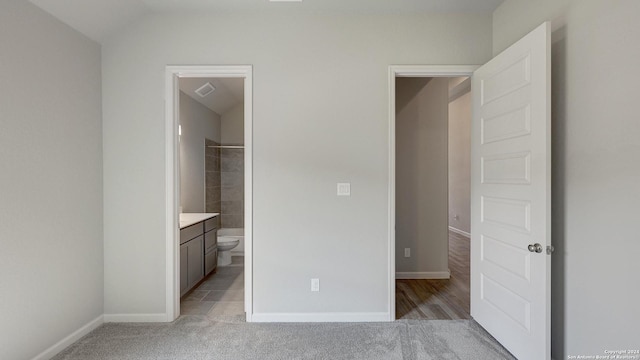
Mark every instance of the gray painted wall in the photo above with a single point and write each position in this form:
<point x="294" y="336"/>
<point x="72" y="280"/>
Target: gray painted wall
<point x="320" y="117"/>
<point x="421" y="174"/>
<point x="460" y="162"/>
<point x="51" y="262"/>
<point x="198" y="123"/>
<point x="595" y="167"/>
<point x="233" y="126"/>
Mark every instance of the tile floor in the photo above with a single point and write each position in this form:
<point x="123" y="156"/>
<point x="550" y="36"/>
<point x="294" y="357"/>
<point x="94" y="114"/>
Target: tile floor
<point x="220" y="296"/>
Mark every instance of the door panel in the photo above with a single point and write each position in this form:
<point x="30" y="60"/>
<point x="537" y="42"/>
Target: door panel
<point x="510" y="196"/>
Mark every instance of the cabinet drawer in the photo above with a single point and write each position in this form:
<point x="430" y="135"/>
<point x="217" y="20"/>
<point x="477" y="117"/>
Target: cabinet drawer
<point x="211" y="224"/>
<point x="190" y="232"/>
<point x="210" y="241"/>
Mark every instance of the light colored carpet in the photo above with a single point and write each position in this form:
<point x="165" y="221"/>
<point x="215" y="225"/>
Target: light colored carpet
<point x="200" y="337"/>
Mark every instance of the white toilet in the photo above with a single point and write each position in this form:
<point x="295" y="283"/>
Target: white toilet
<point x="225" y="244"/>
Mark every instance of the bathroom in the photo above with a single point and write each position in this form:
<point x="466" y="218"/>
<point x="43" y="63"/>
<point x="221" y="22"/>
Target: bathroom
<point x="212" y="170"/>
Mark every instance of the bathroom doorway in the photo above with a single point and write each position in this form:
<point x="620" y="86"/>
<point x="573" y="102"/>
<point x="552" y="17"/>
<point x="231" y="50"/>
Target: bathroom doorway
<point x="209" y="126"/>
<point x="432" y="206"/>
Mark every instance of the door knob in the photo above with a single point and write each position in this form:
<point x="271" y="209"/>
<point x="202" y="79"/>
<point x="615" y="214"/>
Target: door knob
<point x="537" y="248"/>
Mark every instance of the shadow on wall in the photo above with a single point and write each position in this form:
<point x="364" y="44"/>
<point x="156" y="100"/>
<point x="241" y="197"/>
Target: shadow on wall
<point x="558" y="179"/>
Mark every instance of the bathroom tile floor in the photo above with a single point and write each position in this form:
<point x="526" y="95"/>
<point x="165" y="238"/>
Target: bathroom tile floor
<point x="220" y="296"/>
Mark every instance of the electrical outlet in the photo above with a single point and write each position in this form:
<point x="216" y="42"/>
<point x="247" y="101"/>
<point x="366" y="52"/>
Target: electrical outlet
<point x="456" y="217"/>
<point x="344" y="189"/>
<point x="407" y="252"/>
<point x="315" y="284"/>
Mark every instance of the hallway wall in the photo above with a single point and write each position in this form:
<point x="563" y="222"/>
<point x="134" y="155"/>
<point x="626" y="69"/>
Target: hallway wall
<point x="422" y="113"/>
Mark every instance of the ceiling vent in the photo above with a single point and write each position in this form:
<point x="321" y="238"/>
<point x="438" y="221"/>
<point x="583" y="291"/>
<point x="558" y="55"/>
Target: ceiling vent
<point x="205" y="90"/>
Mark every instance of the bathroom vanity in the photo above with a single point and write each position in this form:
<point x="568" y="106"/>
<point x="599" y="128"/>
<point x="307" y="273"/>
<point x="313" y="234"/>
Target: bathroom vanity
<point x="198" y="248"/>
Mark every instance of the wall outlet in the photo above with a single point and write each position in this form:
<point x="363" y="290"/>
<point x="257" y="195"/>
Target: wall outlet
<point x="407" y="252"/>
<point x="456" y="217"/>
<point x="344" y="189"/>
<point x="315" y="284"/>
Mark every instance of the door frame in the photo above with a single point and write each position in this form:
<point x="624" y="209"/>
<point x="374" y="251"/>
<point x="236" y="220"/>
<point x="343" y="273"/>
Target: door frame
<point x="396" y="71"/>
<point x="172" y="179"/>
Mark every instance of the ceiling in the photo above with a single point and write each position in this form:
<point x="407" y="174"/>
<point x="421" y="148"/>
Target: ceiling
<point x="97" y="19"/>
<point x="229" y="92"/>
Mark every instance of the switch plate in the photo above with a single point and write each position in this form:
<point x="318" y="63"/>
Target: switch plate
<point x="344" y="189"/>
<point x="407" y="252"/>
<point x="315" y="284"/>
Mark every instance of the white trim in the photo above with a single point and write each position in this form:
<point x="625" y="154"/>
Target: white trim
<point x="320" y="317"/>
<point x="406" y="71"/>
<point x="173" y="73"/>
<point x="127" y="318"/>
<point x="424" y="275"/>
<point x="458" y="231"/>
<point x="56" y="348"/>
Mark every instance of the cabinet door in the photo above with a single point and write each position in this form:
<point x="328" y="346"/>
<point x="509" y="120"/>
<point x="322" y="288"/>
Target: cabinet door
<point x="210" y="261"/>
<point x="184" y="282"/>
<point x="195" y="260"/>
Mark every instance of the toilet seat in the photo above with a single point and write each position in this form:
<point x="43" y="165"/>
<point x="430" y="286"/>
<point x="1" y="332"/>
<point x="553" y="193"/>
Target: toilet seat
<point x="227" y="239"/>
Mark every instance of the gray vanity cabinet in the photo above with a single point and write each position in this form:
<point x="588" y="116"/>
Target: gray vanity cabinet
<point x="198" y="253"/>
<point x="195" y="261"/>
<point x="210" y="245"/>
<point x="191" y="256"/>
<point x="184" y="278"/>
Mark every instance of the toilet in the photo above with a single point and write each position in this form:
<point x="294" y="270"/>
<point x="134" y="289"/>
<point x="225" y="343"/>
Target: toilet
<point x="225" y="244"/>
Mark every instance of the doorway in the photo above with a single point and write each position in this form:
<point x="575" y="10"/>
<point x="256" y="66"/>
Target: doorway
<point x="416" y="72"/>
<point x="202" y="189"/>
<point x="433" y="119"/>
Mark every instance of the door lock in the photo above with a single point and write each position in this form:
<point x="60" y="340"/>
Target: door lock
<point x="537" y="248"/>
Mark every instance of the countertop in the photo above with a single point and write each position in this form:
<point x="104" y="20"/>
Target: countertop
<point x="188" y="219"/>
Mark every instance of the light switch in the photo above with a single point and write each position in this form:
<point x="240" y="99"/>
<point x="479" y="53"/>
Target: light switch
<point x="344" y="189"/>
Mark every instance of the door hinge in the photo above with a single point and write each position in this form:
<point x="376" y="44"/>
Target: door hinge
<point x="550" y="249"/>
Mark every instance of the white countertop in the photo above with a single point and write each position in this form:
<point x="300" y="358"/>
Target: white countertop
<point x="188" y="219"/>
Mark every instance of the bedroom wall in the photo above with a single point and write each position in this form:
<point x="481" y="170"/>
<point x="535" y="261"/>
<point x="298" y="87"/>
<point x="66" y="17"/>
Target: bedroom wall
<point x="595" y="167"/>
<point x="320" y="117"/>
<point x="51" y="262"/>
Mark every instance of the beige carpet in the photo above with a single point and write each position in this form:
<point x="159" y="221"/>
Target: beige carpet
<point x="199" y="337"/>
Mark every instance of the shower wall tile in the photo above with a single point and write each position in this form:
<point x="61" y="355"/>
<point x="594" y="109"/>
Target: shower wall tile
<point x="233" y="193"/>
<point x="212" y="177"/>
<point x="232" y="207"/>
<point x="232" y="187"/>
<point x="232" y="221"/>
<point x="231" y="179"/>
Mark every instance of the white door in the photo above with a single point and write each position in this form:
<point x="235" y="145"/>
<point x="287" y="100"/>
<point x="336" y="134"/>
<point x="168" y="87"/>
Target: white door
<point x="511" y="196"/>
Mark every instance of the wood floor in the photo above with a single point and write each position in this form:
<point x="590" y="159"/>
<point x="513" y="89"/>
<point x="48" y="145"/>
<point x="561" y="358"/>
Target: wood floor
<point x="439" y="299"/>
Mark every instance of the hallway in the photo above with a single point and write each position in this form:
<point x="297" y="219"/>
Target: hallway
<point x="446" y="299"/>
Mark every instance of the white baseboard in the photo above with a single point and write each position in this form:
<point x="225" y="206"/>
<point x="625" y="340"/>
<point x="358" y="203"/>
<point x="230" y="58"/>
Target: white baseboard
<point x="424" y="275"/>
<point x="320" y="317"/>
<point x="70" y="339"/>
<point x="458" y="231"/>
<point x="108" y="318"/>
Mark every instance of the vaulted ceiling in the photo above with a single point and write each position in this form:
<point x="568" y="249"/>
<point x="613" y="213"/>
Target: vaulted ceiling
<point x="97" y="19"/>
